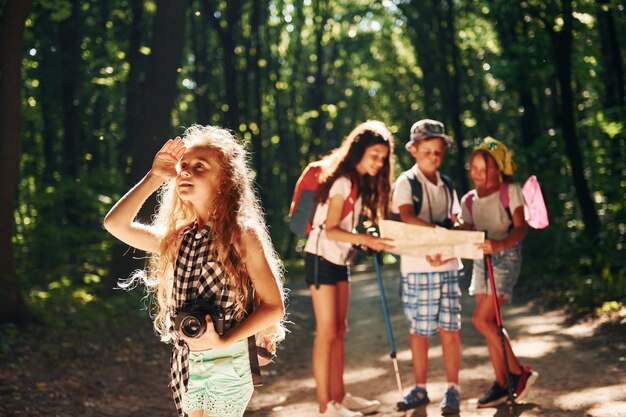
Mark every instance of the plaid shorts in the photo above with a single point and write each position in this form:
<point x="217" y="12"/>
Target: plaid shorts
<point x="432" y="301"/>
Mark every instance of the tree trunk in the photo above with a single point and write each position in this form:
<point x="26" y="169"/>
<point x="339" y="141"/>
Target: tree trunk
<point x="453" y="104"/>
<point x="612" y="77"/>
<point x="133" y="86"/>
<point x="230" y="70"/>
<point x="422" y="20"/>
<point x="611" y="57"/>
<point x="12" y="306"/>
<point x="512" y="35"/>
<point x="159" y="91"/>
<point x="150" y="125"/>
<point x="199" y="45"/>
<point x="562" y="43"/>
<point x="70" y="62"/>
<point x="318" y="96"/>
<point x="254" y="110"/>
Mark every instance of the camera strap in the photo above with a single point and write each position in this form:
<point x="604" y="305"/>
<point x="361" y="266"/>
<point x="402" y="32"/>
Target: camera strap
<point x="255" y="369"/>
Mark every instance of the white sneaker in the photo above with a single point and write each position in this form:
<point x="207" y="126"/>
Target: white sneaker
<point x="337" y="410"/>
<point x="354" y="403"/>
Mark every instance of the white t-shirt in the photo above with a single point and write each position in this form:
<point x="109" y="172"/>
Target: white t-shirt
<point x="436" y="201"/>
<point x="318" y="242"/>
<point x="489" y="215"/>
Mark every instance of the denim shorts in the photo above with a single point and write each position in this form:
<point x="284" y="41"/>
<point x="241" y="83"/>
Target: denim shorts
<point x="220" y="381"/>
<point x="432" y="301"/>
<point x="328" y="272"/>
<point x="506" y="266"/>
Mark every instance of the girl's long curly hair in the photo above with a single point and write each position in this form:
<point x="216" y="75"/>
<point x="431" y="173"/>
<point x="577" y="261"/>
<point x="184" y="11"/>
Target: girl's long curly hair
<point x="342" y="161"/>
<point x="236" y="210"/>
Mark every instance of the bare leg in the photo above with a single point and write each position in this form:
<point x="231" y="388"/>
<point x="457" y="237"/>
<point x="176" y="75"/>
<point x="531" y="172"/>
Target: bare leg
<point x="485" y="322"/>
<point x="337" y="388"/>
<point x="325" y="310"/>
<point x="451" y="347"/>
<point x="419" y="352"/>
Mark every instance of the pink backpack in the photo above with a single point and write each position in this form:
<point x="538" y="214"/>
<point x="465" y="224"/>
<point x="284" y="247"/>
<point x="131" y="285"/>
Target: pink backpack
<point x="535" y="210"/>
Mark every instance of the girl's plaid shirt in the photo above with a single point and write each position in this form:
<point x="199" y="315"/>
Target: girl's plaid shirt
<point x="196" y="275"/>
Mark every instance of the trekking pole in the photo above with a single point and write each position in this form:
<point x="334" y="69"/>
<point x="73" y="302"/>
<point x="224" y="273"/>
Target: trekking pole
<point x="392" y="344"/>
<point x="496" y="306"/>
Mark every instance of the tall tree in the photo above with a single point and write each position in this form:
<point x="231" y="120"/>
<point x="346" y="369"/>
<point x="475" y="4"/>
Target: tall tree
<point x="12" y="306"/>
<point x="512" y="34"/>
<point x="612" y="74"/>
<point x="69" y="34"/>
<point x="152" y="121"/>
<point x="611" y="56"/>
<point x="159" y="89"/>
<point x="562" y="46"/>
<point x="228" y="27"/>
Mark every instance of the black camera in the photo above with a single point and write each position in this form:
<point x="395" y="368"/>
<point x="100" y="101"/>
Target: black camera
<point x="190" y="318"/>
<point x="446" y="224"/>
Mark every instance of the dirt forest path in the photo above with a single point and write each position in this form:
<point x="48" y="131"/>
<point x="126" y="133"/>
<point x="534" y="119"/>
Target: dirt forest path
<point x="579" y="375"/>
<point x="121" y="369"/>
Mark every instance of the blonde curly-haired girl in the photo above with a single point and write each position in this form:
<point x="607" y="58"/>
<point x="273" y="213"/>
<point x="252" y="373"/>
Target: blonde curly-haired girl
<point x="208" y="242"/>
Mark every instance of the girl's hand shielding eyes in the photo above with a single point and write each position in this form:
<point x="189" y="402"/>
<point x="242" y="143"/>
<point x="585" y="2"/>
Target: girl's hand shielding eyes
<point x="164" y="164"/>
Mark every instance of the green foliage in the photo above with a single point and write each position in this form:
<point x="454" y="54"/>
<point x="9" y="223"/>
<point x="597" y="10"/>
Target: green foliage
<point x="301" y="75"/>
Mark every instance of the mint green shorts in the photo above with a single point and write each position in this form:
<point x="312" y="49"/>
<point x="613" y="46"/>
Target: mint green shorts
<point x="220" y="381"/>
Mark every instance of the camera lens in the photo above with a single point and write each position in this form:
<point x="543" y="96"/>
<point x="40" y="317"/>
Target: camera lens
<point x="192" y="327"/>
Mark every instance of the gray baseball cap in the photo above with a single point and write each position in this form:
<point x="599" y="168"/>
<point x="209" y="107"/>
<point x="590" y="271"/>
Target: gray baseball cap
<point x="428" y="128"/>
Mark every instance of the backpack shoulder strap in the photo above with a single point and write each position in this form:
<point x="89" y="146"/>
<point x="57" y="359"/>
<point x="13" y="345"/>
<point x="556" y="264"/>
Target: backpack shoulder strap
<point x="350" y="202"/>
<point x="469" y="200"/>
<point x="505" y="200"/>
<point x="417" y="190"/>
<point x="447" y="181"/>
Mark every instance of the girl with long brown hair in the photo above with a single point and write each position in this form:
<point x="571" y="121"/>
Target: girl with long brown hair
<point x="364" y="158"/>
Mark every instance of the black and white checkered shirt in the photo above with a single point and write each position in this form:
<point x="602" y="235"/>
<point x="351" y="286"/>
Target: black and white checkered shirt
<point x="196" y="275"/>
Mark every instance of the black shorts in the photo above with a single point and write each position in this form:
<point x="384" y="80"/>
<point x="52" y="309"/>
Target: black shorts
<point x="328" y="272"/>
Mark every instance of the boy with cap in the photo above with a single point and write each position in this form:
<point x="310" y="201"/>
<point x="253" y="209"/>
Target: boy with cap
<point x="430" y="287"/>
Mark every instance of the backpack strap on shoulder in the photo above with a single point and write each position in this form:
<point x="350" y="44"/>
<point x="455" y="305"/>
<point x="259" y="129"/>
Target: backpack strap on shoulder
<point x="417" y="190"/>
<point x="469" y="200"/>
<point x="350" y="202"/>
<point x="450" y="186"/>
<point x="505" y="200"/>
<point x="255" y="369"/>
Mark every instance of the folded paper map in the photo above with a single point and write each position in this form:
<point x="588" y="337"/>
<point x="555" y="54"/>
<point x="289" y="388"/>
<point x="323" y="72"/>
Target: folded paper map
<point x="413" y="240"/>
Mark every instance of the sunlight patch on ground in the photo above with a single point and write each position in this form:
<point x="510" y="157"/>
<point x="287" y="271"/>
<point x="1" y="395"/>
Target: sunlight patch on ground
<point x="474" y="351"/>
<point x="611" y="409"/>
<point x="362" y="374"/>
<point x="607" y="398"/>
<point x="401" y="355"/>
<point x="581" y="329"/>
<point x="532" y="327"/>
<point x="539" y="346"/>
<point x="482" y="371"/>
